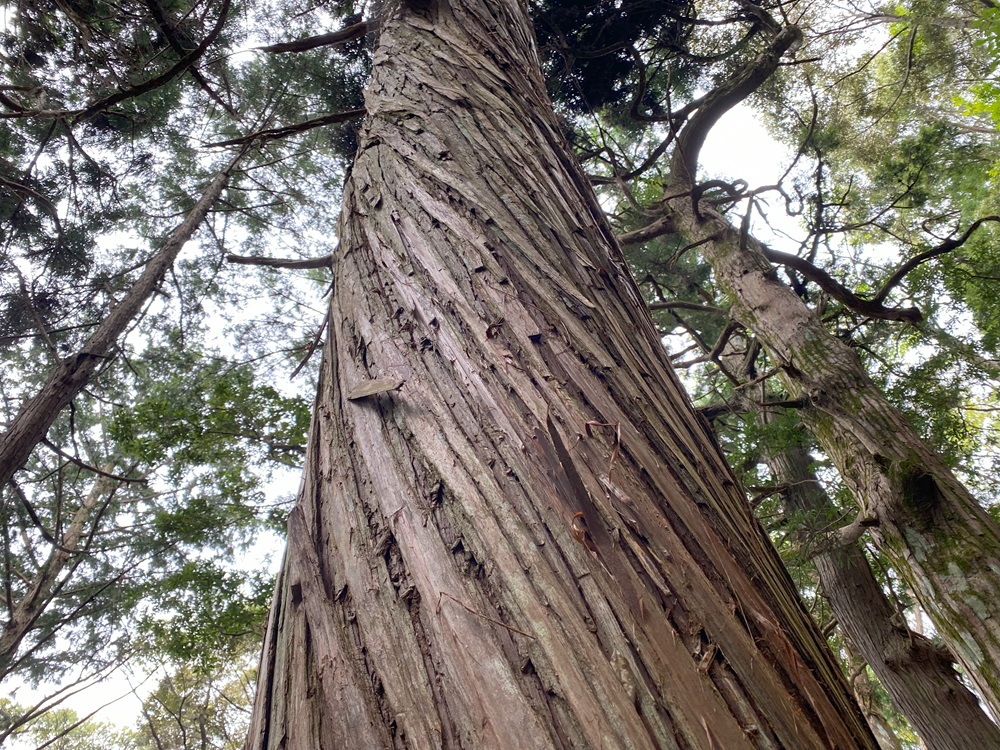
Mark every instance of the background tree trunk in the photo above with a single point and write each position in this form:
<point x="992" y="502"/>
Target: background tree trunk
<point x="71" y="375"/>
<point x="917" y="673"/>
<point x="513" y="531"/>
<point x="937" y="537"/>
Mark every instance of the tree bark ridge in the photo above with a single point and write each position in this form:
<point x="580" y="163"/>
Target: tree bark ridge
<point x="434" y="594"/>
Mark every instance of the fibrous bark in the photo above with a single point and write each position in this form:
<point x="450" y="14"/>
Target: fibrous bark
<point x="512" y="530"/>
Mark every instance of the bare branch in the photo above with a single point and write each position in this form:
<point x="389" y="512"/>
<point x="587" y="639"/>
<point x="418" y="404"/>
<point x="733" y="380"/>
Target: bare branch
<point x="343" y="36"/>
<point x="684" y="163"/>
<point x="871" y="308"/>
<point x="273" y="134"/>
<point x="249" y="260"/>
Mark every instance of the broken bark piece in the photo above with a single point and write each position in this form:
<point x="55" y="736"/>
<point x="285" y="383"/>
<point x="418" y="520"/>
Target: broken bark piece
<point x="374" y="387"/>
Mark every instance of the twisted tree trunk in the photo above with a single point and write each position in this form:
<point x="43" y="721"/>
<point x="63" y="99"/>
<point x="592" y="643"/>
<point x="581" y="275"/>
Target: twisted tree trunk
<point x="513" y="532"/>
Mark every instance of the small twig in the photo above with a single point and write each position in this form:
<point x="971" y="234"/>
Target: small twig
<point x="470" y="610"/>
<point x="312" y="346"/>
<point x="46" y="535"/>
<point x="84" y="465"/>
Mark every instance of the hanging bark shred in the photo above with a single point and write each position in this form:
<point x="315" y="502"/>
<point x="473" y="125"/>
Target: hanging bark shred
<point x="374" y="387"/>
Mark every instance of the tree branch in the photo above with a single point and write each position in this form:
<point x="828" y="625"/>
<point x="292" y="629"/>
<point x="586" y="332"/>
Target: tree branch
<point x="945" y="247"/>
<point x="343" y="36"/>
<point x="682" y="305"/>
<point x="249" y="260"/>
<point x="871" y="308"/>
<point x="41" y="200"/>
<point x="663" y="225"/>
<point x="273" y="134"/>
<point x="171" y="35"/>
<point x="684" y="163"/>
<point x="157" y="81"/>
<point x="71" y="375"/>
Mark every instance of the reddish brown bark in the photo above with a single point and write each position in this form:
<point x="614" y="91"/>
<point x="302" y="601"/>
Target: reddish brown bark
<point x="433" y="594"/>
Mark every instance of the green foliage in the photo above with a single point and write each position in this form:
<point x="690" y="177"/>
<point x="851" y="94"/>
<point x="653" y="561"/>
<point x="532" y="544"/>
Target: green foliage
<point x="983" y="97"/>
<point x="197" y="708"/>
<point x="207" y="412"/>
<point x="202" y="613"/>
<point x="63" y="729"/>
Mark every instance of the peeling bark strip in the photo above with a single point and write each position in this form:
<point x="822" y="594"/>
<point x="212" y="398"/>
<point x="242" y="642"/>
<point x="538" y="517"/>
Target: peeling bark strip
<point x="433" y="594"/>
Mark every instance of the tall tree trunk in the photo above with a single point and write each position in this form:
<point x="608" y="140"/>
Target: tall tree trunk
<point x="917" y="673"/>
<point x="513" y="532"/>
<point x="72" y="374"/>
<point x="938" y="538"/>
<point x="935" y="534"/>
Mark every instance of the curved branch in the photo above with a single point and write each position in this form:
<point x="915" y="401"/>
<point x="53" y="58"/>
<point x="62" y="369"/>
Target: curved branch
<point x="945" y="247"/>
<point x="871" y="308"/>
<point x="684" y="163"/>
<point x="648" y="162"/>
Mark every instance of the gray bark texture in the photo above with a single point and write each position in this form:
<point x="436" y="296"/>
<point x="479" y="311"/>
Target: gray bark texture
<point x="513" y="531"/>
<point x="917" y="673"/>
<point x="934" y="532"/>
